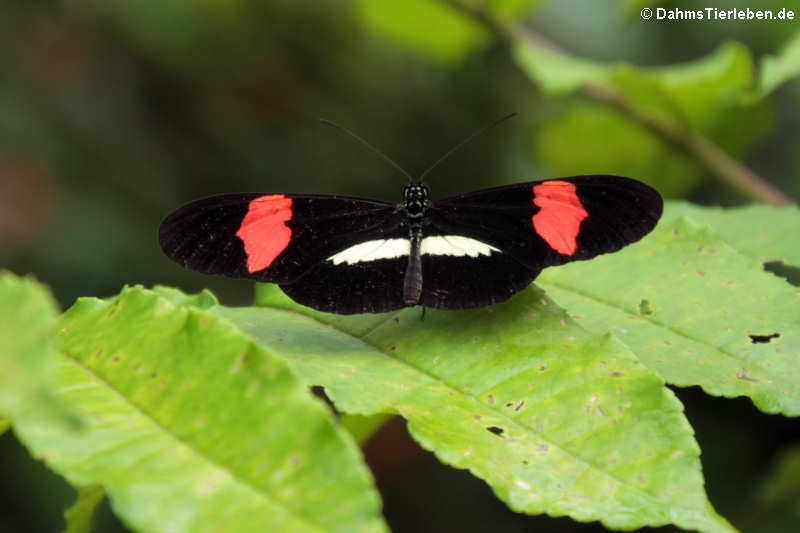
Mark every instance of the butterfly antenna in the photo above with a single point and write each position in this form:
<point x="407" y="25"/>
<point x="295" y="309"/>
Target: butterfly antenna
<point x="468" y="139"/>
<point x="368" y="145"/>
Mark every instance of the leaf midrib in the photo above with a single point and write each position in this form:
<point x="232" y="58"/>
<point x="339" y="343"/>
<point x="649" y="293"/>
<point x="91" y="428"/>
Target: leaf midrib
<point x="199" y="453"/>
<point x="511" y="421"/>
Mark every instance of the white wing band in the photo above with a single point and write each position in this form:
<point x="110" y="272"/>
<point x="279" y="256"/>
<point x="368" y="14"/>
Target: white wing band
<point x="452" y="245"/>
<point x="455" y="245"/>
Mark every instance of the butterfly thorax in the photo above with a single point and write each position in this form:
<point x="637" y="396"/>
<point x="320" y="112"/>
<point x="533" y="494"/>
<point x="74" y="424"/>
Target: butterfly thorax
<point x="415" y="195"/>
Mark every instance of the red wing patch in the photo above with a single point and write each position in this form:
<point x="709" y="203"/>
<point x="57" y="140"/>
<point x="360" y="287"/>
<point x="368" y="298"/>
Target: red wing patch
<point x="560" y="214"/>
<point x="264" y="231"/>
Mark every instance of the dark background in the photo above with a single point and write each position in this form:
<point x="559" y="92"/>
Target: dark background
<point x="114" y="113"/>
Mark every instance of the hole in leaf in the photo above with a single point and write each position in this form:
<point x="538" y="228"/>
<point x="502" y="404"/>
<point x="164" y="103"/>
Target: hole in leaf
<point x="782" y="270"/>
<point x="320" y="393"/>
<point x="763" y="339"/>
<point x="496" y="430"/>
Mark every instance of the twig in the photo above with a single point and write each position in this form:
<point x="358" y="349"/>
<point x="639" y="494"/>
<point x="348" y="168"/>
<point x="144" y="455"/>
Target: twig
<point x="699" y="147"/>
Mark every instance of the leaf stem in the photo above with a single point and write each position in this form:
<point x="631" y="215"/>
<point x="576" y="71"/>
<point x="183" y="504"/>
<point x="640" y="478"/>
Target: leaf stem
<point x="716" y="160"/>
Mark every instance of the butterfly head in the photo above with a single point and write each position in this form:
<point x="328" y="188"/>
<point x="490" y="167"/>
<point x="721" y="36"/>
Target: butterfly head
<point x="415" y="195"/>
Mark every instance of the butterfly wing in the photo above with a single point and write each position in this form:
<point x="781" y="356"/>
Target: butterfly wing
<point x="375" y="286"/>
<point x="350" y="255"/>
<point x="275" y="238"/>
<point x="530" y="226"/>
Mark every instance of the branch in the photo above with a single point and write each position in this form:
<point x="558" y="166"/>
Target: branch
<point x="716" y="160"/>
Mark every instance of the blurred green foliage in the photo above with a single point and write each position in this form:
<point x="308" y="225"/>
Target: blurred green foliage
<point x="114" y="112"/>
<point x="434" y="28"/>
<point x="782" y="67"/>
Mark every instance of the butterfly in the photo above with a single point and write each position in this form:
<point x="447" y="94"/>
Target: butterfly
<point x="353" y="255"/>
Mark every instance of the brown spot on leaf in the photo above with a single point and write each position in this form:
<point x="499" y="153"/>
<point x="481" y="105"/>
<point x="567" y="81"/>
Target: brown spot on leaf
<point x="742" y="374"/>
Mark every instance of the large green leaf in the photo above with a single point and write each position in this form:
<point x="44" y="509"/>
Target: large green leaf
<point x="694" y="309"/>
<point x="27" y="347"/>
<point x="554" y="419"/>
<point x="190" y="426"/>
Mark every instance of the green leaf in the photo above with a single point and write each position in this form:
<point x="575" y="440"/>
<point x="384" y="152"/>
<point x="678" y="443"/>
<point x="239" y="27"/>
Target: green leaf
<point x="5" y="423"/>
<point x="711" y="95"/>
<point x="700" y="90"/>
<point x="610" y="143"/>
<point x="27" y="347"/>
<point x="693" y="308"/>
<point x="763" y="232"/>
<point x="79" y="516"/>
<point x="557" y="73"/>
<point x="203" y="299"/>
<point x="432" y="27"/>
<point x="719" y="79"/>
<point x="554" y="419"/>
<point x="778" y="69"/>
<point x="189" y="426"/>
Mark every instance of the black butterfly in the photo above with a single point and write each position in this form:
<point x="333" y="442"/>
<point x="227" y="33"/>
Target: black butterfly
<point x="352" y="255"/>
